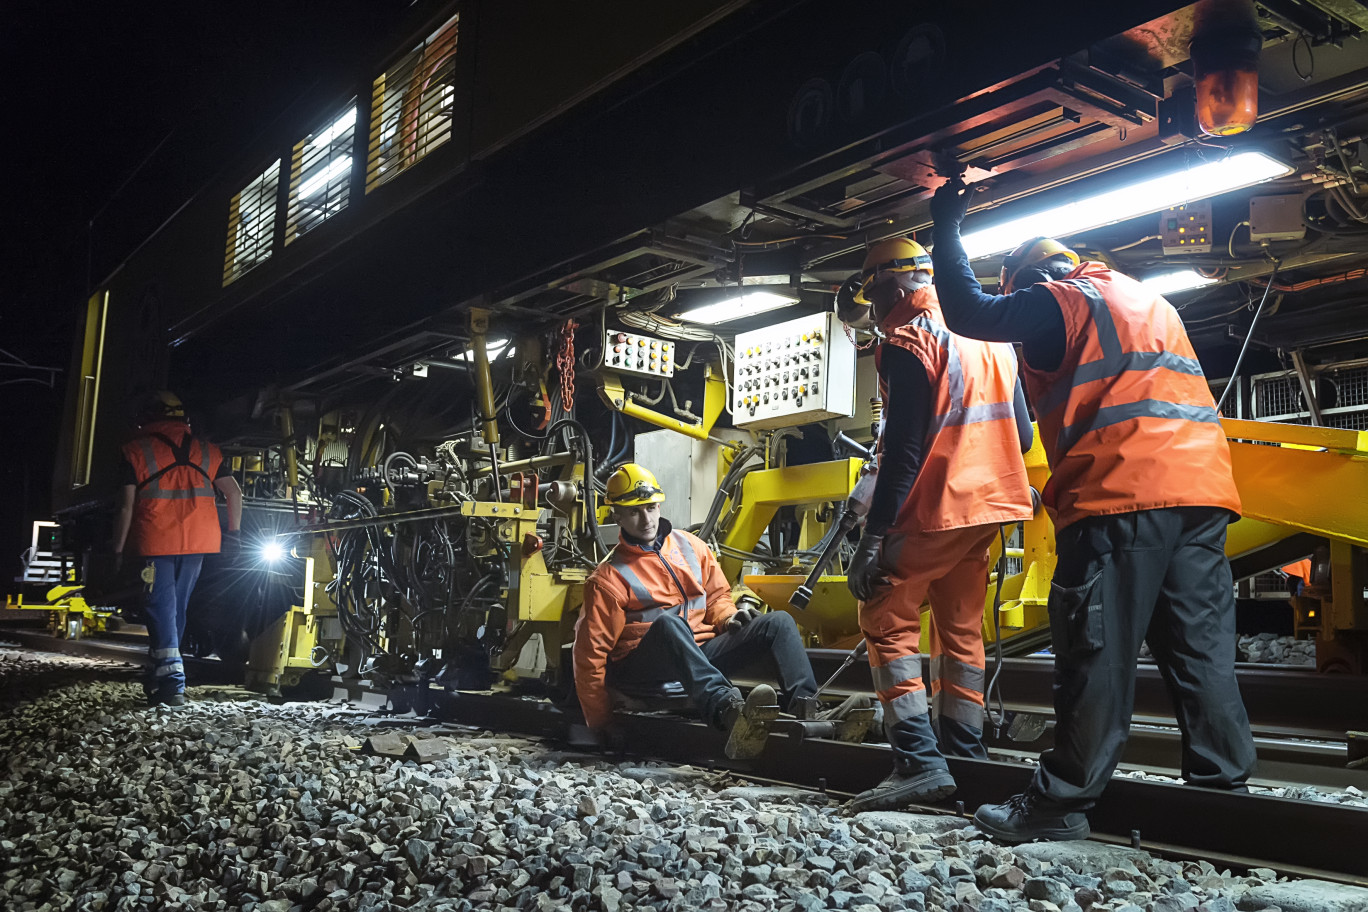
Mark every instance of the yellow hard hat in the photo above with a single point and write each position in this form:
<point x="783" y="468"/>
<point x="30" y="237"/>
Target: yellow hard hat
<point x="893" y="255"/>
<point x="633" y="485"/>
<point x="1035" y="250"/>
<point x="161" y="404"/>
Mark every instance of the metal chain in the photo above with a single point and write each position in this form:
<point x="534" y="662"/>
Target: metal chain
<point x="851" y="336"/>
<point x="565" y="361"/>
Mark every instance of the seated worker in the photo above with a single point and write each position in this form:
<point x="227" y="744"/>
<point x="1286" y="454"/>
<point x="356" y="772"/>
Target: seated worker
<point x="659" y="609"/>
<point x="950" y="474"/>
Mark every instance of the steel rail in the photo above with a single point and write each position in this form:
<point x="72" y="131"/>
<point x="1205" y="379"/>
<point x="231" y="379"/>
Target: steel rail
<point x="1297" y="704"/>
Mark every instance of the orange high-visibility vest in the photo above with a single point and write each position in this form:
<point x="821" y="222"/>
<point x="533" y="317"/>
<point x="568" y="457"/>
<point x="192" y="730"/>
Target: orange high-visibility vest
<point x="174" y="511"/>
<point x="1127" y="419"/>
<point x="972" y="472"/>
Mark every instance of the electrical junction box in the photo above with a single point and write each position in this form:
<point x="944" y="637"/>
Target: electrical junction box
<point x="1276" y="218"/>
<point x="793" y="373"/>
<point x="1186" y="228"/>
<point x="634" y="353"/>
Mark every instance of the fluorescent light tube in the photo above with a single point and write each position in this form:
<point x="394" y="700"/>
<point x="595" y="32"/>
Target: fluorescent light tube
<point x="1154" y="194"/>
<point x="339" y="126"/>
<point x="319" y="181"/>
<point x="493" y="348"/>
<point x="1172" y="282"/>
<point x="746" y="305"/>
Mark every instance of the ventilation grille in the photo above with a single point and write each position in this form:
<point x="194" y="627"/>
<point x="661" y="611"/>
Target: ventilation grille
<point x="411" y="106"/>
<point x="320" y="174"/>
<point x="1278" y="396"/>
<point x="251" y="225"/>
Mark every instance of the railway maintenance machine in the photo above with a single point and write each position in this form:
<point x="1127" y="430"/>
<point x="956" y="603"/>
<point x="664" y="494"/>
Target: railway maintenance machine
<point x="430" y="311"/>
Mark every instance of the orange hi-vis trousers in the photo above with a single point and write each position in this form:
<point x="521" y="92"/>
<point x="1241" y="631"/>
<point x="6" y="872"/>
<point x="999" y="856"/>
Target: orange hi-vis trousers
<point x="951" y="568"/>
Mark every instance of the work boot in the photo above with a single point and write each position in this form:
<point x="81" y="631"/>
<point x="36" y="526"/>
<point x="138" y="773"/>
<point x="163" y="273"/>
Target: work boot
<point x="900" y="789"/>
<point x="749" y="722"/>
<point x="1030" y="816"/>
<point x="174" y="701"/>
<point x="847" y="706"/>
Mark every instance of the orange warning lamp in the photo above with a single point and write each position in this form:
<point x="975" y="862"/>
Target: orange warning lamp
<point x="1225" y="62"/>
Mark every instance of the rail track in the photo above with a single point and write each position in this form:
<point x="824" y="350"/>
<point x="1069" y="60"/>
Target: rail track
<point x="1303" y="838"/>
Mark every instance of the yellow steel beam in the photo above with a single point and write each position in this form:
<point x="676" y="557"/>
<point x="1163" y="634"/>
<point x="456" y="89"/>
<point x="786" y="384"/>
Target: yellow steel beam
<point x="1317" y="491"/>
<point x="615" y="396"/>
<point x="484" y="384"/>
<point x="766" y="490"/>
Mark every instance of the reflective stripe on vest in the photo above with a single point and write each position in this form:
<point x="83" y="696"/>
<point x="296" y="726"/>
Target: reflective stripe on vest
<point x="156" y="490"/>
<point x="1113" y="363"/>
<point x="959" y="414"/>
<point x="651" y="608"/>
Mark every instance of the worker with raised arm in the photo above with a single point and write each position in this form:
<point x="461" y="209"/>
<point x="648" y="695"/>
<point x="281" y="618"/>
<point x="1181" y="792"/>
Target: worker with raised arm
<point x="950" y="474"/>
<point x="1140" y="493"/>
<point x="659" y="609"/>
<point x="168" y="503"/>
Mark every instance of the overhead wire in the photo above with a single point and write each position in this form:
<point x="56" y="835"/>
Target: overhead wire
<point x="1235" y="371"/>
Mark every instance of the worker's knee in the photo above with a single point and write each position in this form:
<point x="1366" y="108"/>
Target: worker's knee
<point x="672" y="626"/>
<point x="776" y="625"/>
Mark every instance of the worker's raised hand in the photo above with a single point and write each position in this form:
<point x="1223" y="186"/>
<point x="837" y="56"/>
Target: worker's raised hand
<point x="741" y="618"/>
<point x="864" y="575"/>
<point x="951" y="202"/>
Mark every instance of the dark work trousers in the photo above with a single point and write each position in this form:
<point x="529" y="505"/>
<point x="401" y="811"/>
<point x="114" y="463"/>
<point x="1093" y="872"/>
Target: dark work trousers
<point x="1156" y="575"/>
<point x="168" y="596"/>
<point x="668" y="652"/>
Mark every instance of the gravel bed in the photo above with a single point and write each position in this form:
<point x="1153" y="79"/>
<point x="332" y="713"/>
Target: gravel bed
<point x="1265" y="649"/>
<point x="232" y="803"/>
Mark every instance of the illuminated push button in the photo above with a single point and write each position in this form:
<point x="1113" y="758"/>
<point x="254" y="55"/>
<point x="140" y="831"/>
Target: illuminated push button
<point x="641" y="343"/>
<point x="621" y="337"/>
<point x="785" y="394"/>
<point x="655" y="345"/>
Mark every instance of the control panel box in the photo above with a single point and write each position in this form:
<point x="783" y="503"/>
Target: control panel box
<point x="1276" y="218"/>
<point x="634" y="353"/>
<point x="1186" y="228"/>
<point x="793" y="373"/>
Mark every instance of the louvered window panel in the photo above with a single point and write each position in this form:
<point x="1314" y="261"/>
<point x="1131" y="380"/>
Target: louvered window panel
<point x="320" y="174"/>
<point x="411" y="106"/>
<point x="251" y="224"/>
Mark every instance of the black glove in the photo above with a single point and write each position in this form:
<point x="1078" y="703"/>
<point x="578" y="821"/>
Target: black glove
<point x="232" y="541"/>
<point x="951" y="202"/>
<point x="741" y="618"/>
<point x="864" y="576"/>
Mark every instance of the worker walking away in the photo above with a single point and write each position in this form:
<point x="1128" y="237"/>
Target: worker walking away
<point x="168" y="503"/>
<point x="659" y="609"/>
<point x="1140" y="493"/>
<point x="950" y="475"/>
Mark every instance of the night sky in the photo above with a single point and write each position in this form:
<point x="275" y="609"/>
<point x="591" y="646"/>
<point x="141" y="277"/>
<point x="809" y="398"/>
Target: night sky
<point x="119" y="112"/>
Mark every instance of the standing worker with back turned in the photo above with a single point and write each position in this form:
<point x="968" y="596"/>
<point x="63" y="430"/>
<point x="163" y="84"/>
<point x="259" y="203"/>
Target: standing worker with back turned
<point x="167" y="499"/>
<point x="1140" y="493"/>
<point x="659" y="609"/>
<point x="950" y="474"/>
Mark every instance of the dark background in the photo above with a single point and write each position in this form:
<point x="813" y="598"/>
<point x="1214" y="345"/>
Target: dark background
<point x="117" y="113"/>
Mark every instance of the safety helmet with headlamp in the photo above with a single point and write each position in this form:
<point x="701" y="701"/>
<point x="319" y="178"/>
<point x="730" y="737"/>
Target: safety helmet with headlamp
<point x="633" y="485"/>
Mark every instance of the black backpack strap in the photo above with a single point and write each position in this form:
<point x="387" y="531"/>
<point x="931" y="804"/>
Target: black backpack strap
<point x="180" y="453"/>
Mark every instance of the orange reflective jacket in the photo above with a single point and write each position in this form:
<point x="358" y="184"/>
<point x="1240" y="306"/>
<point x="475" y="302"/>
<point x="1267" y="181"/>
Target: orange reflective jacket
<point x="631" y="589"/>
<point x="1127" y="420"/>
<point x="972" y="473"/>
<point x="174" y="512"/>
